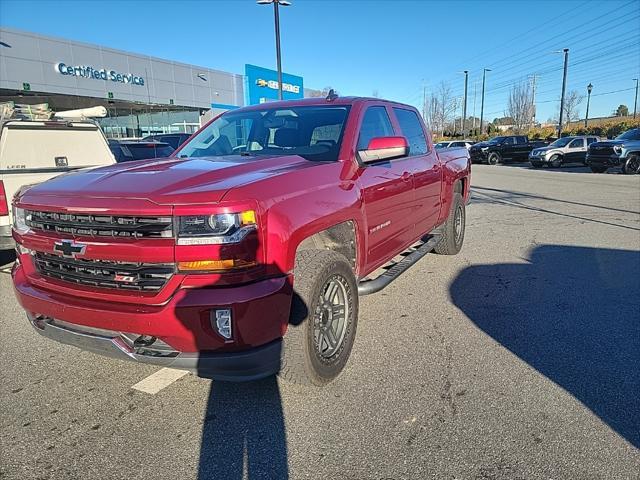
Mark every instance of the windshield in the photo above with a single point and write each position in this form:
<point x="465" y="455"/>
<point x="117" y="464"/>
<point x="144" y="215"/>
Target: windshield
<point x="313" y="132"/>
<point x="496" y="140"/>
<point x="630" y="135"/>
<point x="561" y="142"/>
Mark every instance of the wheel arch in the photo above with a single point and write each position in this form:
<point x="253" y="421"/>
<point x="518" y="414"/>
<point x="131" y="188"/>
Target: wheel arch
<point x="340" y="238"/>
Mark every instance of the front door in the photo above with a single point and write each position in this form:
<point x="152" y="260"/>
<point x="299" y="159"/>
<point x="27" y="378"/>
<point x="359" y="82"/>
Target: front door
<point x="576" y="151"/>
<point x="387" y="189"/>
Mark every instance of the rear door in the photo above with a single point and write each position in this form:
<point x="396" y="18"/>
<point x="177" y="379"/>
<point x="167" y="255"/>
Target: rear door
<point x="387" y="190"/>
<point x="522" y="148"/>
<point x="427" y="173"/>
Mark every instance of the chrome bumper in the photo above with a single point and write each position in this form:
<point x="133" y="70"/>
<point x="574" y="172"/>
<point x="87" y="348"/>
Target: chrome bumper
<point x="246" y="365"/>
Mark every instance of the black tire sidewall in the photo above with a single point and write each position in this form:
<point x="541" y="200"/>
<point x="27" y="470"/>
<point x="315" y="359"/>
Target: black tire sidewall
<point x="496" y="156"/>
<point x="555" y="161"/>
<point x="625" y="167"/>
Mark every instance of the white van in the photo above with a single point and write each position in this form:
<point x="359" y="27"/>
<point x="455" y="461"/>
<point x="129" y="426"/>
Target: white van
<point x="35" y="151"/>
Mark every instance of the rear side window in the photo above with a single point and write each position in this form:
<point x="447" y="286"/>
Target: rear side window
<point x="577" y="143"/>
<point x="591" y="140"/>
<point x="521" y="140"/>
<point x="375" y="123"/>
<point x="144" y="151"/>
<point x="412" y="130"/>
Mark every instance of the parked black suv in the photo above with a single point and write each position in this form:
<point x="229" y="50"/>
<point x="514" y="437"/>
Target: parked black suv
<point x="127" y="150"/>
<point x="499" y="149"/>
<point x="173" y="139"/>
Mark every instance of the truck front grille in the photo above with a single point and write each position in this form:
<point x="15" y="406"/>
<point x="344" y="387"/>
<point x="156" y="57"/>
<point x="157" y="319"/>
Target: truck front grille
<point x="603" y="150"/>
<point x="100" y="225"/>
<point x="105" y="274"/>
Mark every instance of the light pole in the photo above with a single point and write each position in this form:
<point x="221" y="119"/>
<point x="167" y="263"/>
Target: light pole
<point x="635" y="102"/>
<point x="464" y="107"/>
<point x="564" y="88"/>
<point x="586" y="117"/>
<point x="276" y="16"/>
<point x="484" y="73"/>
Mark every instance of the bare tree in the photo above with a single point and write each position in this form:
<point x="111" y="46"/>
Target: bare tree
<point x="375" y="93"/>
<point x="440" y="108"/>
<point x="571" y="104"/>
<point x="520" y="106"/>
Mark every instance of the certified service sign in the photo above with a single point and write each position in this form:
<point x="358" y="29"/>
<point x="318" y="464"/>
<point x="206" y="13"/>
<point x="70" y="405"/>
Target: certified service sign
<point x="97" y="74"/>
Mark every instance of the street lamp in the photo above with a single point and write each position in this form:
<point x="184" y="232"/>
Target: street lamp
<point x="564" y="87"/>
<point x="484" y="73"/>
<point x="586" y="117"/>
<point x="276" y="16"/>
<point x="464" y="108"/>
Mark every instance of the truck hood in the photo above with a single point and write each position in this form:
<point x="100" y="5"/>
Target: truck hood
<point x="169" y="181"/>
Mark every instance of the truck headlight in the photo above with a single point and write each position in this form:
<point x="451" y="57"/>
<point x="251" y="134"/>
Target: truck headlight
<point x="20" y="217"/>
<point x="215" y="229"/>
<point x="617" y="149"/>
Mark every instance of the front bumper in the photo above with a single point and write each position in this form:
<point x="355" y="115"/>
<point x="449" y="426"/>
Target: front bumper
<point x="604" y="160"/>
<point x="246" y="365"/>
<point x="538" y="159"/>
<point x="182" y="328"/>
<point x="478" y="156"/>
<point x="6" y="240"/>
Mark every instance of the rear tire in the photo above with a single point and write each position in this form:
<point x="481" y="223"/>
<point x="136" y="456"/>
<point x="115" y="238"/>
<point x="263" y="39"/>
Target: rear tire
<point x="632" y="165"/>
<point x="453" y="228"/>
<point x="494" y="158"/>
<point x="323" y="321"/>
<point x="598" y="169"/>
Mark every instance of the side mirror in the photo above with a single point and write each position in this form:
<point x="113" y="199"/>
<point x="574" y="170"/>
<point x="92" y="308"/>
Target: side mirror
<point x="384" y="148"/>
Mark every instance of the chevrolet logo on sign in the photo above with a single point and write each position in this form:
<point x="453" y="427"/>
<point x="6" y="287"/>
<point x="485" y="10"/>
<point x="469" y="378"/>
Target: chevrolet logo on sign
<point x="262" y="83"/>
<point x="69" y="249"/>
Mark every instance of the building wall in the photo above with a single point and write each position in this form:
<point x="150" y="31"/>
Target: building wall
<point x="34" y="59"/>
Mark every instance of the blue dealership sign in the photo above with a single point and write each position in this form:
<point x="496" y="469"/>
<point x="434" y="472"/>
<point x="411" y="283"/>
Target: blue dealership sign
<point x="261" y="85"/>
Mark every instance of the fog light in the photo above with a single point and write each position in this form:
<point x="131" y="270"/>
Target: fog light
<point x="221" y="322"/>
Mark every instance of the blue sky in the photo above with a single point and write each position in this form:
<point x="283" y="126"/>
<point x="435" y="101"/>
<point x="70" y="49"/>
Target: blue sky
<point x="393" y="47"/>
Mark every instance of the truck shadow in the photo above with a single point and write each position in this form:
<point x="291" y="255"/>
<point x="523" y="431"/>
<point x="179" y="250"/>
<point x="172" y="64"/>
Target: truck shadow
<point x="7" y="257"/>
<point x="573" y="314"/>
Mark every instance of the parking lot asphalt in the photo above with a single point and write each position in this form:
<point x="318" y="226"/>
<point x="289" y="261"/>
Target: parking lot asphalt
<point x="519" y="358"/>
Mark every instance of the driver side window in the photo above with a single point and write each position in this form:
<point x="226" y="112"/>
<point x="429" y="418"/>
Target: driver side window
<point x="375" y="123"/>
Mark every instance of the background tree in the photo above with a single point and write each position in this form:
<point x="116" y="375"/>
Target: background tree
<point x="520" y="106"/>
<point x="440" y="108"/>
<point x="571" y="104"/>
<point x="621" y="111"/>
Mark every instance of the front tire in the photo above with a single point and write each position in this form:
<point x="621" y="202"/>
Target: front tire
<point x="494" y="158"/>
<point x="632" y="165"/>
<point x="453" y="229"/>
<point x="323" y="321"/>
<point x="556" y="161"/>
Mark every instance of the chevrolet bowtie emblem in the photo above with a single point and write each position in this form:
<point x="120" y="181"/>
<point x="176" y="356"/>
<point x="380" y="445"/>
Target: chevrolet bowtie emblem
<point x="69" y="248"/>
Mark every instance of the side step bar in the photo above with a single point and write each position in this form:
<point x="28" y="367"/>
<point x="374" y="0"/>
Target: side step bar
<point x="367" y="287"/>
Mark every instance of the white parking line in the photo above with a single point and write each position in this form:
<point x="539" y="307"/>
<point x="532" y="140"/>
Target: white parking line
<point x="159" y="380"/>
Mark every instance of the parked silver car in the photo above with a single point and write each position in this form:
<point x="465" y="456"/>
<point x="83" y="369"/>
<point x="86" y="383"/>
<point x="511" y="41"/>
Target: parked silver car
<point x="454" y="144"/>
<point x="564" y="150"/>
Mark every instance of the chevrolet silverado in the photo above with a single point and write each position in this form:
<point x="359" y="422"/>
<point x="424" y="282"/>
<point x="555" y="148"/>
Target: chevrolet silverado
<point x="243" y="254"/>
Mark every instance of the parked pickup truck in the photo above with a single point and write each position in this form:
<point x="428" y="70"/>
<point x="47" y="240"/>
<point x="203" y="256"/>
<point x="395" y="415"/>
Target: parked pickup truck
<point x="623" y="151"/>
<point x="244" y="253"/>
<point x="500" y="149"/>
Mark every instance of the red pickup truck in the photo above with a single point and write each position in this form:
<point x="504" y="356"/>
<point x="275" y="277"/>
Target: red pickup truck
<point x="243" y="254"/>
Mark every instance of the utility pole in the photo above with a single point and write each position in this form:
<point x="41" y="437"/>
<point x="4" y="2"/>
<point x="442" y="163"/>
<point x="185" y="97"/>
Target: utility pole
<point x="586" y="117"/>
<point x="635" y="102"/>
<point x="534" y="79"/>
<point x="424" y="102"/>
<point x="464" y="107"/>
<point x="484" y="74"/>
<point x="475" y="87"/>
<point x="564" y="88"/>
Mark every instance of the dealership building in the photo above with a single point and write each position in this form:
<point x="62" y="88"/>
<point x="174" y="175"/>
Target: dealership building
<point x="142" y="94"/>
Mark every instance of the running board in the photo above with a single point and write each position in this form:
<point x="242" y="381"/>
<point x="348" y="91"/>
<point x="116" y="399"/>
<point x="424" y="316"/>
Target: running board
<point x="367" y="287"/>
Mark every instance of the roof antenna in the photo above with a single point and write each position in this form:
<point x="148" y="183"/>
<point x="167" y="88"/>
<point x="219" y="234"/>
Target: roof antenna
<point x="331" y="96"/>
